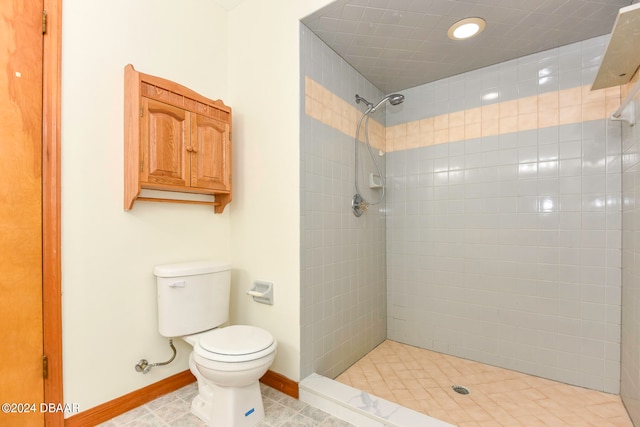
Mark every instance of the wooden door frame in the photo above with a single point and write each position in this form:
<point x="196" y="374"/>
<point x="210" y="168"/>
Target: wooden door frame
<point x="51" y="209"/>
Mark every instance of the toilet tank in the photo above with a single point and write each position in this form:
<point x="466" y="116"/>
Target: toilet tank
<point x="192" y="296"/>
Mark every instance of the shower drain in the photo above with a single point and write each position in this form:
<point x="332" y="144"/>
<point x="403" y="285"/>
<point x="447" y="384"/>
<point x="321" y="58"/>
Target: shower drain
<point x="460" y="389"/>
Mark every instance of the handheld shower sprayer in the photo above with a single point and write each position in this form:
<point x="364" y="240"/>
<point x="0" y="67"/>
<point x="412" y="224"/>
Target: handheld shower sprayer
<point x="394" y="99"/>
<point x="358" y="204"/>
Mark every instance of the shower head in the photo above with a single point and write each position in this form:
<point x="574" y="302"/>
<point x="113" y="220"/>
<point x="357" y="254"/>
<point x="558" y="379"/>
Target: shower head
<point x="394" y="99"/>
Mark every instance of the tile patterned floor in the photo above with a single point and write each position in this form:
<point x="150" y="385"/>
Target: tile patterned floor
<point x="421" y="380"/>
<point x="174" y="410"/>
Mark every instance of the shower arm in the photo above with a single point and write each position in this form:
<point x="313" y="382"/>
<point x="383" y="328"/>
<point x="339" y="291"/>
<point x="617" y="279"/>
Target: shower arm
<point x="360" y="99"/>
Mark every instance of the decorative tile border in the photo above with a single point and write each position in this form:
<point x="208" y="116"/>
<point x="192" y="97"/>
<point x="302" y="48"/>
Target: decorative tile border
<point x="562" y="107"/>
<point x="323" y="105"/>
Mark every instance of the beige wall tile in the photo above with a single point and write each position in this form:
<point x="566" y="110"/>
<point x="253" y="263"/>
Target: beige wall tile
<point x="594" y="110"/>
<point x="307" y="104"/>
<point x="528" y="121"/>
<point x="456" y="133"/>
<point x="413" y="141"/>
<point x="426" y="137"/>
<point x="456" y="119"/>
<point x="472" y="116"/>
<point x="490" y="112"/>
<point x="345" y="126"/>
<point x="327" y="115"/>
<point x="473" y="130"/>
<point x="570" y="97"/>
<point x="413" y="128"/>
<point x="508" y="109"/>
<point x="316" y="109"/>
<point x="548" y="101"/>
<point x="570" y="114"/>
<point x="508" y="124"/>
<point x="390" y="145"/>
<point x="548" y="117"/>
<point x="441" y="122"/>
<point x="440" y="136"/>
<point x="528" y="105"/>
<point x="589" y="96"/>
<point x="490" y="115"/>
<point x="399" y="131"/>
<point x="400" y="143"/>
<point x="426" y="124"/>
<point x="490" y="127"/>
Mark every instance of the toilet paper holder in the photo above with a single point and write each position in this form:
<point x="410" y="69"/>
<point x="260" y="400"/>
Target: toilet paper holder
<point x="262" y="292"/>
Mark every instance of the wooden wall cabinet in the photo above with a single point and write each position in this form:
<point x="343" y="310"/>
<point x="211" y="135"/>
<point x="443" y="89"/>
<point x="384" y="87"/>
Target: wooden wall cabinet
<point x="175" y="140"/>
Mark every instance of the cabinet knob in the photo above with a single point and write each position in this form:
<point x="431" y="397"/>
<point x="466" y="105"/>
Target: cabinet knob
<point x="189" y="148"/>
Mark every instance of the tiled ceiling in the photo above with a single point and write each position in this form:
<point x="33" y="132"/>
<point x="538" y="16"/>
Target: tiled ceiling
<point x="398" y="44"/>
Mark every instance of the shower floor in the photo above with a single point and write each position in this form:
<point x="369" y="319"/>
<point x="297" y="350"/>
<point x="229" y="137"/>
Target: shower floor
<point x="422" y="380"/>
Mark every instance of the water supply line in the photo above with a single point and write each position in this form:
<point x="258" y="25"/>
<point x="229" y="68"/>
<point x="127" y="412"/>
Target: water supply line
<point x="358" y="203"/>
<point x="144" y="366"/>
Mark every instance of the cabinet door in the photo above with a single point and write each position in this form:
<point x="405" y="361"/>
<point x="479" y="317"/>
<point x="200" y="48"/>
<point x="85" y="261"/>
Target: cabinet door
<point x="211" y="156"/>
<point x="165" y="133"/>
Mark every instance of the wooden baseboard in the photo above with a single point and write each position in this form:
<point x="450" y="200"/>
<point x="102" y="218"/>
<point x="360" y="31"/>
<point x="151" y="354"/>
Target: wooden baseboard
<point x="129" y="401"/>
<point x="280" y="383"/>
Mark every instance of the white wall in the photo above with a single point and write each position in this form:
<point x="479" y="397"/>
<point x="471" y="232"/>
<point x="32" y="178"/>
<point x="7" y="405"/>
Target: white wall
<point x="249" y="58"/>
<point x="264" y="90"/>
<point x="109" y="297"/>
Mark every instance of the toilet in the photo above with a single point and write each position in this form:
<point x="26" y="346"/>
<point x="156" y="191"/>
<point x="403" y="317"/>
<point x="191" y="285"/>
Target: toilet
<point x="193" y="303"/>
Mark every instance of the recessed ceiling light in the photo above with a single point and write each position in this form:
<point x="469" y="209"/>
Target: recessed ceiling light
<point x="466" y="28"/>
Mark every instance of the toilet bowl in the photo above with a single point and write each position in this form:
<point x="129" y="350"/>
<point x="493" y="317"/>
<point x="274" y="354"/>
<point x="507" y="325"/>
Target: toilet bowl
<point x="228" y="362"/>
<point x="193" y="303"/>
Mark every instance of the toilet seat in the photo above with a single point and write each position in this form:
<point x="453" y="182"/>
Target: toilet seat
<point x="236" y="343"/>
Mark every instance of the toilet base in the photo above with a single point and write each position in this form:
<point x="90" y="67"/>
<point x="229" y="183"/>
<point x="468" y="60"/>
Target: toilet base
<point x="226" y="406"/>
<point x="230" y="406"/>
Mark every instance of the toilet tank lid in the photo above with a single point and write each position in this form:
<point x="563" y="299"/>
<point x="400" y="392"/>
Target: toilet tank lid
<point x="191" y="268"/>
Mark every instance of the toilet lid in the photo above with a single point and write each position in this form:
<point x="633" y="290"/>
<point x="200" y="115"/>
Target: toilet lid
<point x="236" y="340"/>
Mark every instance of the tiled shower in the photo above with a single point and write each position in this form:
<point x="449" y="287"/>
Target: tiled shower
<point x="505" y="247"/>
<point x="343" y="278"/>
<point x="500" y="239"/>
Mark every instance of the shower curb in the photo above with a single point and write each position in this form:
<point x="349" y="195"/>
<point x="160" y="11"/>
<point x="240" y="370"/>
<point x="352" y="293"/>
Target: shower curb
<point x="360" y="408"/>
